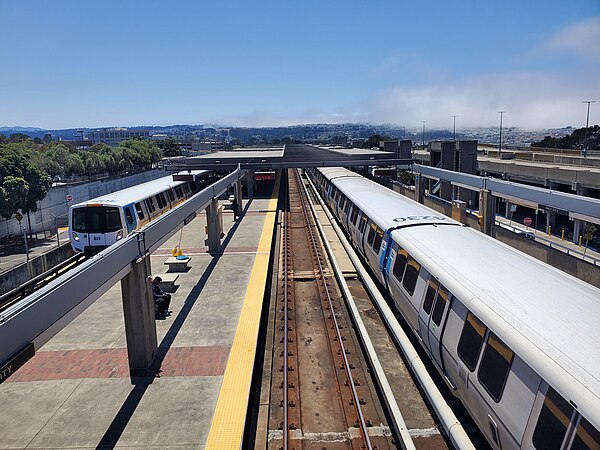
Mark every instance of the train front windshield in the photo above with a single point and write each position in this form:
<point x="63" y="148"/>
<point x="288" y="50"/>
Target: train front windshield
<point x="96" y="219"/>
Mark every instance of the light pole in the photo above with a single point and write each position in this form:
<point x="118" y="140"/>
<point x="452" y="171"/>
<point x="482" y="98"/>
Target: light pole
<point x="500" y="143"/>
<point x="587" y="124"/>
<point x="454" y="127"/>
<point x="424" y="134"/>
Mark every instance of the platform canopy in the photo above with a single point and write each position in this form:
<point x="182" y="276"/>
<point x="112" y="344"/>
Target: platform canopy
<point x="288" y="156"/>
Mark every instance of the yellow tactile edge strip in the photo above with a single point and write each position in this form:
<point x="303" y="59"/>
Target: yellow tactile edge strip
<point x="227" y="428"/>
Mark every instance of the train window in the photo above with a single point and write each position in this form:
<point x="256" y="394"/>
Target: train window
<point x="170" y="195"/>
<point x="354" y="215"/>
<point x="160" y="202"/>
<point x="371" y="236"/>
<point x="430" y="295"/>
<point x="440" y="305"/>
<point x="411" y="275"/>
<point x="587" y="437"/>
<point x="495" y="366"/>
<point x="140" y="211"/>
<point x="400" y="263"/>
<point x="553" y="422"/>
<point x="128" y="215"/>
<point x="363" y="223"/>
<point x="79" y="224"/>
<point x="378" y="240"/>
<point x="348" y="205"/>
<point x="164" y="199"/>
<point x="471" y="340"/>
<point x="113" y="219"/>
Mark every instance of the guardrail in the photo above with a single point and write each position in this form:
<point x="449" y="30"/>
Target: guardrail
<point x="579" y="207"/>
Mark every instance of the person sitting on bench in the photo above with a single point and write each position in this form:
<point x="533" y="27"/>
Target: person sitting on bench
<point x="162" y="300"/>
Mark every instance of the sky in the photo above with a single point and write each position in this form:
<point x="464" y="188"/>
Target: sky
<point x="79" y="63"/>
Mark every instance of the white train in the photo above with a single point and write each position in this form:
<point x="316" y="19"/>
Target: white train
<point x="102" y="221"/>
<point x="517" y="340"/>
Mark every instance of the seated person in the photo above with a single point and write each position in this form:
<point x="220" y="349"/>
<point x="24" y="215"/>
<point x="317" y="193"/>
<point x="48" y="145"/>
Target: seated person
<point x="162" y="300"/>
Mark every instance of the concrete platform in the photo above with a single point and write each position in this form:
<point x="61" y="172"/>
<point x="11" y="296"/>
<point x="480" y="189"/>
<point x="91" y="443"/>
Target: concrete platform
<point x="76" y="391"/>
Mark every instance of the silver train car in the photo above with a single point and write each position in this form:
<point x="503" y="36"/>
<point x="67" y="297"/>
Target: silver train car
<point x="97" y="223"/>
<point x="514" y="338"/>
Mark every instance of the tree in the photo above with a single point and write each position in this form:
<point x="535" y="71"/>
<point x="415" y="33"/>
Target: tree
<point x="13" y="193"/>
<point x="19" y="137"/>
<point x="169" y="148"/>
<point x="138" y="154"/>
<point x="22" y="184"/>
<point x="579" y="139"/>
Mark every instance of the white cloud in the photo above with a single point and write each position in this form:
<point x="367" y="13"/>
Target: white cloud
<point x="582" y="38"/>
<point x="531" y="100"/>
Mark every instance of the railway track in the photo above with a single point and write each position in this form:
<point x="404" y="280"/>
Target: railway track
<point x="11" y="297"/>
<point x="325" y="396"/>
<point x="336" y="378"/>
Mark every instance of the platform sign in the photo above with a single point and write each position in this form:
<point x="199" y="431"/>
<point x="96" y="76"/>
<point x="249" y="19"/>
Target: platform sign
<point x="527" y="221"/>
<point x="69" y="198"/>
<point x="590" y="229"/>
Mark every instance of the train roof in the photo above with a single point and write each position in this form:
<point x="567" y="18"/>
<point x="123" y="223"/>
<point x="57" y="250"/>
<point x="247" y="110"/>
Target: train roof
<point x="385" y="207"/>
<point x="140" y="191"/>
<point x="548" y="317"/>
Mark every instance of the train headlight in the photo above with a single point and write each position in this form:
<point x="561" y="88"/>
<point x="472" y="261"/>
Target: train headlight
<point x="120" y="235"/>
<point x="76" y="237"/>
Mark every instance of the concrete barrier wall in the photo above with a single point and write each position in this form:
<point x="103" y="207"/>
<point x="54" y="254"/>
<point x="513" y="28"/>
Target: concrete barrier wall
<point x="404" y="190"/>
<point x="53" y="209"/>
<point x="26" y="271"/>
<point x="443" y="208"/>
<point x="572" y="265"/>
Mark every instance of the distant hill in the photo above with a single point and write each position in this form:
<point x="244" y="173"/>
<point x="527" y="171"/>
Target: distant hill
<point x="20" y="129"/>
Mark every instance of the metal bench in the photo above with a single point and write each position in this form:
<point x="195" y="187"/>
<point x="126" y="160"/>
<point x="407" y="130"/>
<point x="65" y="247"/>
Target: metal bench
<point x="177" y="265"/>
<point x="168" y="281"/>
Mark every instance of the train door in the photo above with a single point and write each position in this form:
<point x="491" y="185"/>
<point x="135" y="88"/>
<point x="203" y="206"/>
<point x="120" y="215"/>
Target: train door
<point x="353" y="225"/>
<point x="432" y="316"/>
<point x="129" y="218"/>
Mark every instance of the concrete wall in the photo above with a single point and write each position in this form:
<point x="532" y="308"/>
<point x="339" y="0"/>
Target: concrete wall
<point x="572" y="265"/>
<point x="53" y="209"/>
<point x="20" y="274"/>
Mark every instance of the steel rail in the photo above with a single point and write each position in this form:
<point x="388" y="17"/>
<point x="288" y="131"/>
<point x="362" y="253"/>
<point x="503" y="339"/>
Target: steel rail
<point x="30" y="286"/>
<point x="362" y="422"/>
<point x="398" y="421"/>
<point x="286" y="260"/>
